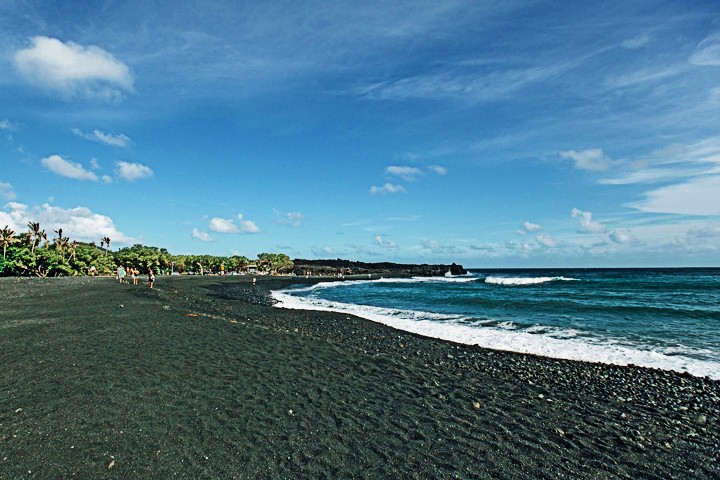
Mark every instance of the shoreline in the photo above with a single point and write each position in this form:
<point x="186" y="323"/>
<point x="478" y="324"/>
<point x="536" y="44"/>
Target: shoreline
<point x="367" y="400"/>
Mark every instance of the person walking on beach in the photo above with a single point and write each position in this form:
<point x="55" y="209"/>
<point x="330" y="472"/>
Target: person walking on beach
<point x="134" y="274"/>
<point x="151" y="277"/>
<point x="121" y="274"/>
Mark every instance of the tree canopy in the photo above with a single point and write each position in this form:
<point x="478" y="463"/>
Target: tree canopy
<point x="25" y="254"/>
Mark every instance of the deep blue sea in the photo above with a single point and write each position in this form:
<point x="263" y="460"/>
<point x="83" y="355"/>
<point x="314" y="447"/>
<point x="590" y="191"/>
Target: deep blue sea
<point x="663" y="318"/>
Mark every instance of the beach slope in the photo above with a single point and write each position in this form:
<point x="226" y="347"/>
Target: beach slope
<point x="201" y="378"/>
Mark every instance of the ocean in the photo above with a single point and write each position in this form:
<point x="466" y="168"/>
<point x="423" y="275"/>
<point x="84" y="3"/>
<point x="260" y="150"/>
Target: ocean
<point x="659" y="318"/>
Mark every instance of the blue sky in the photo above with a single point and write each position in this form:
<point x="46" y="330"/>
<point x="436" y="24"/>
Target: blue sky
<point x="513" y="133"/>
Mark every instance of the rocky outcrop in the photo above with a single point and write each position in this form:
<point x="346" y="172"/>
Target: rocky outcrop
<point x="349" y="267"/>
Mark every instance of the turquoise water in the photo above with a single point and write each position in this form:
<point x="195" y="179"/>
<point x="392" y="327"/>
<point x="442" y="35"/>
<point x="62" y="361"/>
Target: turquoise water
<point x="663" y="318"/>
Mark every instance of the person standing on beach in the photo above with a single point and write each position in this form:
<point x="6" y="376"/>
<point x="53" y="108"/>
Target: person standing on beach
<point x="134" y="274"/>
<point x="151" y="277"/>
<point x="121" y="274"/>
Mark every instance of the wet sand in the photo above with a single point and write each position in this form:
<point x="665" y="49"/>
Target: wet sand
<point x="200" y="378"/>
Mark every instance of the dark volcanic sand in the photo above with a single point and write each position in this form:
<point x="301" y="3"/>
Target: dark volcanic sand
<point x="199" y="378"/>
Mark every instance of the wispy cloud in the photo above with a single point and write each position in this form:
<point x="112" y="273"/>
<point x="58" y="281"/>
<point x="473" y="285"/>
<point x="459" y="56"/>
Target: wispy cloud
<point x="409" y="174"/>
<point x="68" y="169"/>
<point x="478" y="86"/>
<point x="636" y="42"/>
<point x="697" y="196"/>
<point x="707" y="52"/>
<point x="73" y="70"/>
<point x="7" y="191"/>
<point x="387" y="189"/>
<point x="383" y="242"/>
<point x="118" y="140"/>
<point x="294" y="219"/>
<point x="591" y="159"/>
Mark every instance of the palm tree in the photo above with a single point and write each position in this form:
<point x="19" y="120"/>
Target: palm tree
<point x="106" y="241"/>
<point x="7" y="238"/>
<point x="61" y="243"/>
<point x="72" y="248"/>
<point x="34" y="235"/>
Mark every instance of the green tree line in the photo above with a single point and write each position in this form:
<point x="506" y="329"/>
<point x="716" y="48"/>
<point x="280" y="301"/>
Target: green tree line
<point x="35" y="253"/>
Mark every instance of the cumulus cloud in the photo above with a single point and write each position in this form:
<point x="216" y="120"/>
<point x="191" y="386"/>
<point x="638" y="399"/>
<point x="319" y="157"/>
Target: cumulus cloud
<point x="621" y="236"/>
<point x="118" y="140"/>
<point x="587" y="225"/>
<point x="247" y="226"/>
<point x="228" y="225"/>
<point x="7" y="191"/>
<point x="202" y="236"/>
<point x="73" y="70"/>
<point x="380" y="240"/>
<point x="707" y="52"/>
<point x="133" y="171"/>
<point x="223" y="225"/>
<point x="531" y="227"/>
<point x="409" y="174"/>
<point x="387" y="189"/>
<point x="79" y="223"/>
<point x="65" y="168"/>
<point x="591" y="159"/>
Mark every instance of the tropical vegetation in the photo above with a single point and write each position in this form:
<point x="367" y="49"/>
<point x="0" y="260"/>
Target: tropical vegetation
<point x="34" y="253"/>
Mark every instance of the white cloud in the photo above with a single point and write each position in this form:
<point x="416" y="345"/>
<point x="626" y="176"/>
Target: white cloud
<point x="5" y="124"/>
<point x="697" y="196"/>
<point x="387" y="189"/>
<point x="203" y="236"/>
<point x="79" y="223"/>
<point x="636" y="42"/>
<point x="225" y="225"/>
<point x="548" y="241"/>
<point x="380" y="240"/>
<point x="707" y="52"/>
<point x="591" y="159"/>
<point x="621" y="236"/>
<point x="6" y="191"/>
<point x="222" y="225"/>
<point x="73" y="70"/>
<point x="708" y="231"/>
<point x="65" y="168"/>
<point x="438" y="170"/>
<point x="106" y="179"/>
<point x="133" y="171"/>
<point x="531" y="227"/>
<point x="118" y="140"/>
<point x="586" y="222"/>
<point x="409" y="174"/>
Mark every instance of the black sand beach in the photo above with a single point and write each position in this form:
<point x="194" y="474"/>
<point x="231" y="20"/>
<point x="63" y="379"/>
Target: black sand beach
<point x="200" y="378"/>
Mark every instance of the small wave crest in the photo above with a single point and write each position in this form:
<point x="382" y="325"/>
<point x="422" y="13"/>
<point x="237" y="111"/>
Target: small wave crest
<point x="551" y="342"/>
<point x="526" y="280"/>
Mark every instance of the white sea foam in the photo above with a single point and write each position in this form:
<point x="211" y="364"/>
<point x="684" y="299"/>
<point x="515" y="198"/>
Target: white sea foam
<point x="525" y="280"/>
<point x="546" y="341"/>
